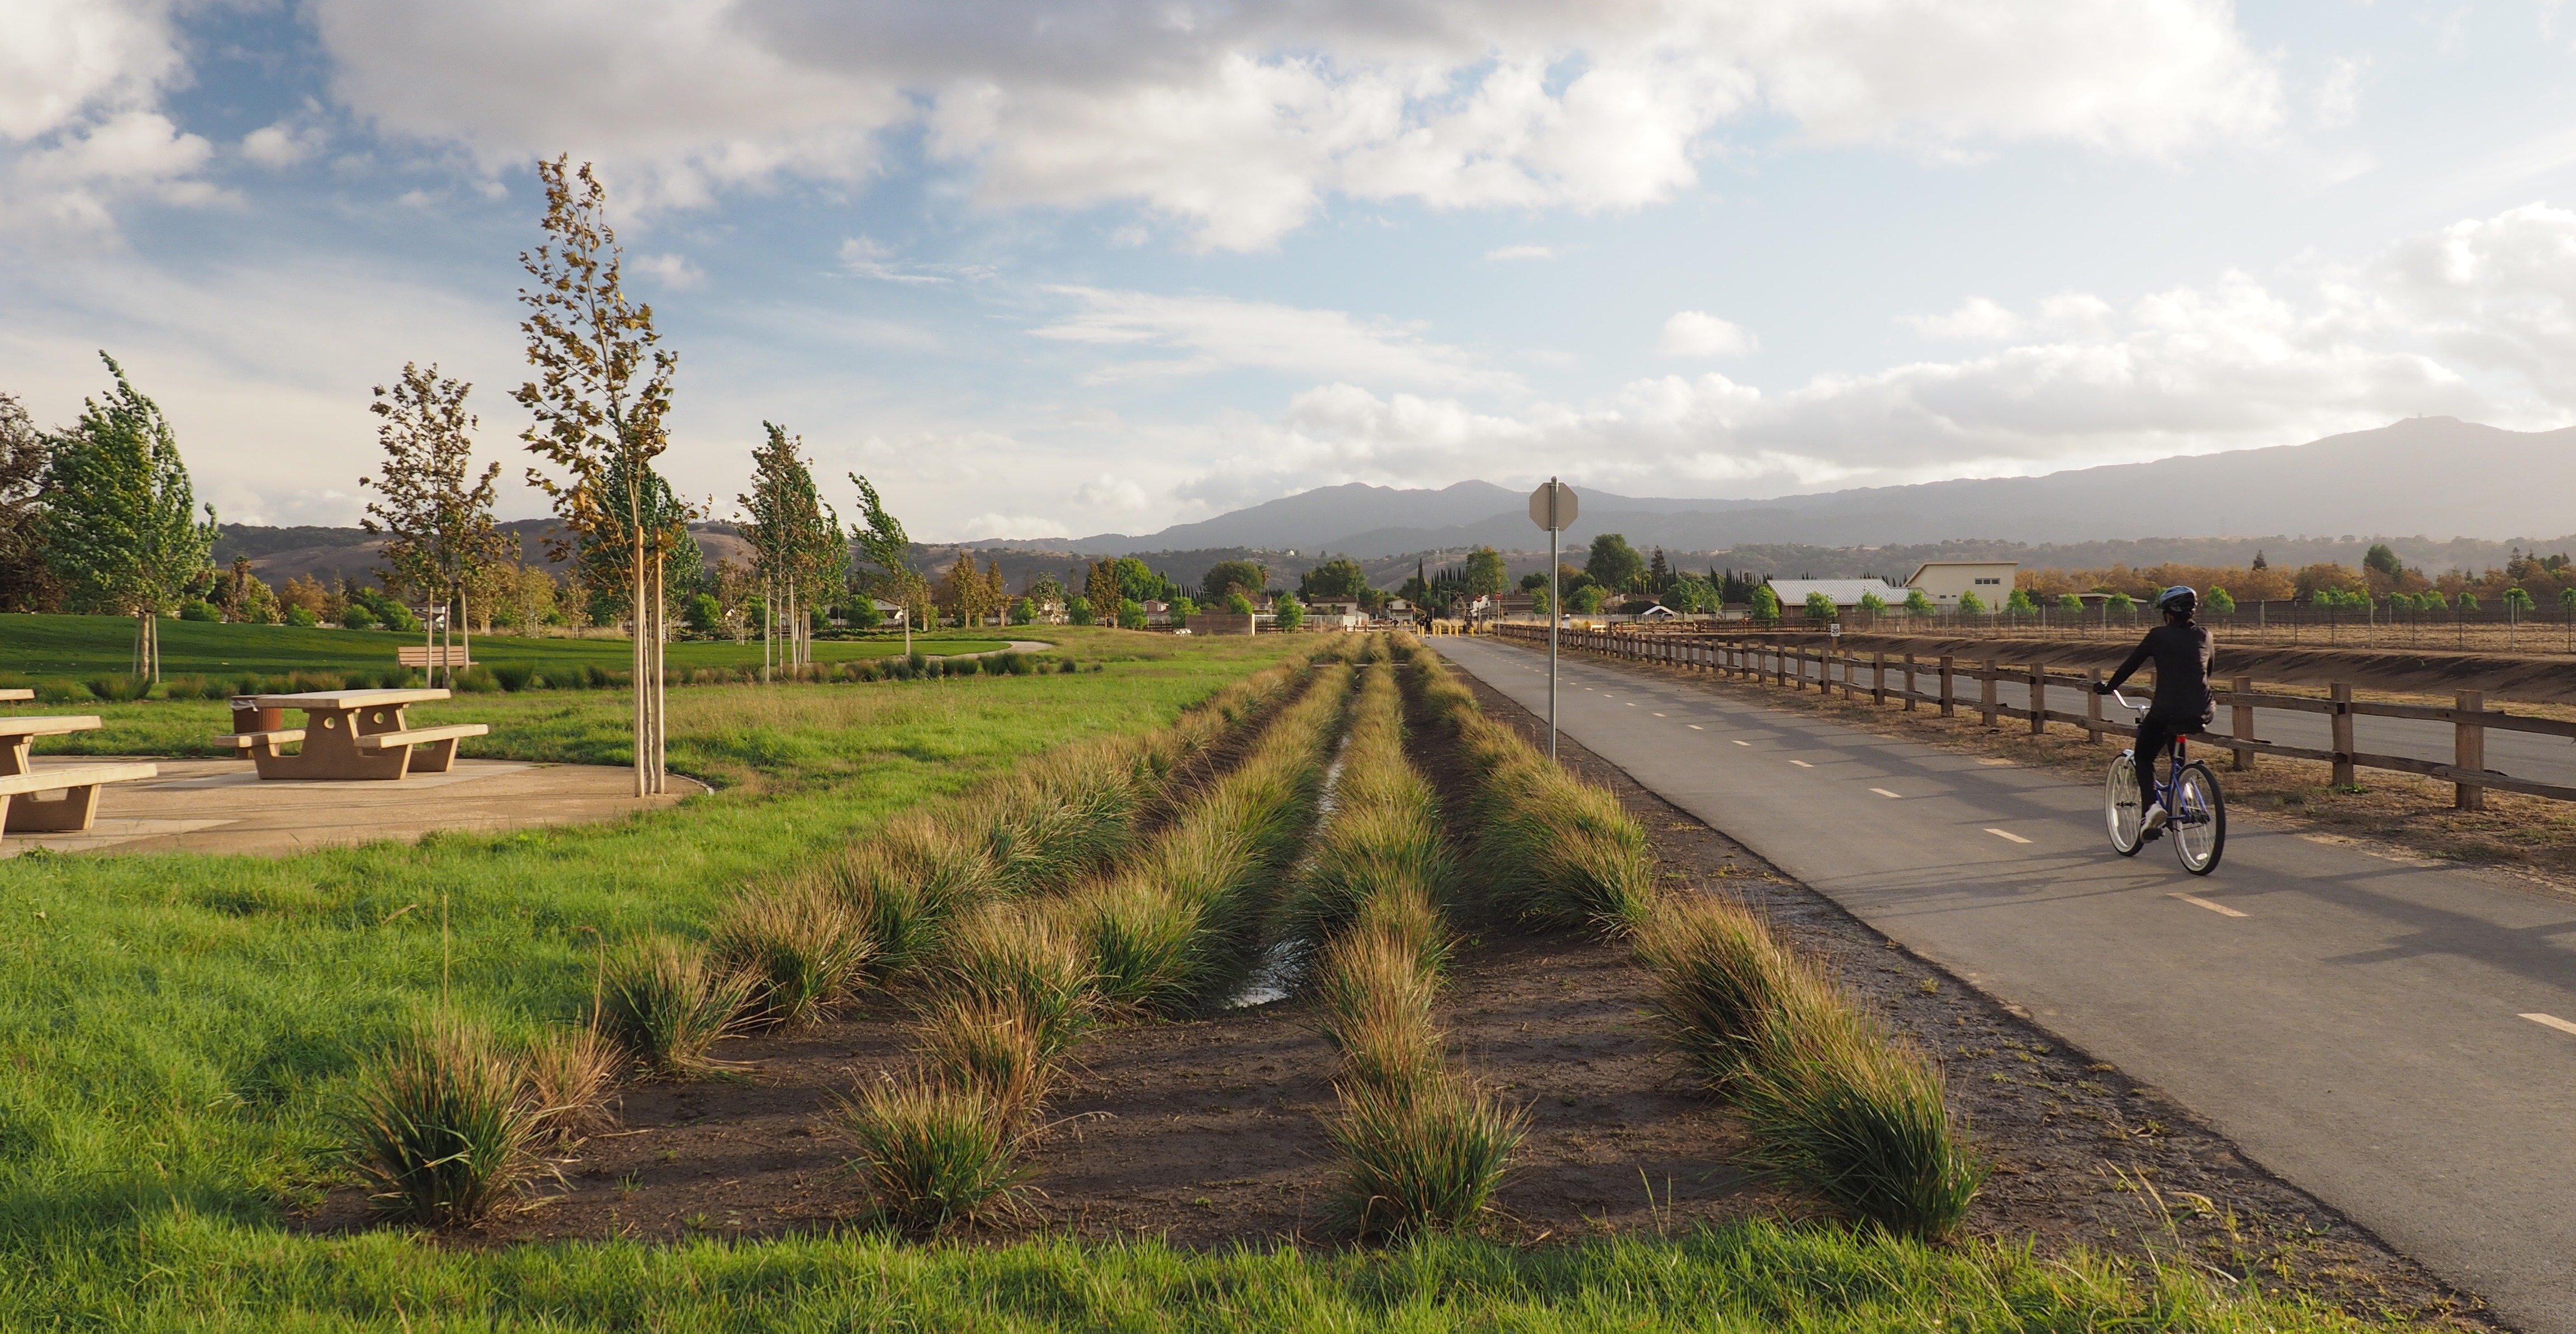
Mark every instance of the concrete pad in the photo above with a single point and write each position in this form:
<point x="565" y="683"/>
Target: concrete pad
<point x="222" y="806"/>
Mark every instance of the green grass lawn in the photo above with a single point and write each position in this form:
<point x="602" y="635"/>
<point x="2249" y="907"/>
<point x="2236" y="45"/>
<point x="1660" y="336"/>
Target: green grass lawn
<point x="80" y="647"/>
<point x="177" y="1031"/>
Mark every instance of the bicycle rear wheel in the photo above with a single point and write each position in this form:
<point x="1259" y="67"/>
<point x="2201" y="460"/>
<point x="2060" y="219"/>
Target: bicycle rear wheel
<point x="2199" y="818"/>
<point x="2121" y="809"/>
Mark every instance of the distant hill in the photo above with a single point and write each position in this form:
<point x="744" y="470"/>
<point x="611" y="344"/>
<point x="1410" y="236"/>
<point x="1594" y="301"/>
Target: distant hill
<point x="2437" y="477"/>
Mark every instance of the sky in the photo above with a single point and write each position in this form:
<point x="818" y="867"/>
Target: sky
<point x="1108" y="265"/>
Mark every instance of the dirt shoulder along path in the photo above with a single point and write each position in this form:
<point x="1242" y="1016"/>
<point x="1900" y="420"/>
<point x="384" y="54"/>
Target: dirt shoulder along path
<point x="1209" y="1133"/>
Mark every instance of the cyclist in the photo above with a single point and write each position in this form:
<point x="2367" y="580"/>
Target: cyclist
<point x="2181" y="649"/>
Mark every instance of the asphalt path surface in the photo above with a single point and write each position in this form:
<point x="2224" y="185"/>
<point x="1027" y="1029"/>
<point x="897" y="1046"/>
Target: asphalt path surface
<point x="2398" y="1038"/>
<point x="2546" y="759"/>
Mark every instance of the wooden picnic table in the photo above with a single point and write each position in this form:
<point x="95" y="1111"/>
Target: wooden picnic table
<point x="347" y="734"/>
<point x="16" y="695"/>
<point x="21" y="780"/>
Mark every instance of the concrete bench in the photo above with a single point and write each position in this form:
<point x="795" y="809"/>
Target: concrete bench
<point x="434" y="747"/>
<point x="21" y="813"/>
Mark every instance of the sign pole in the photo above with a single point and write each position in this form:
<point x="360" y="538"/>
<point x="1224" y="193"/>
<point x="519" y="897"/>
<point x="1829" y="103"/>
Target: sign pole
<point x="1552" y="507"/>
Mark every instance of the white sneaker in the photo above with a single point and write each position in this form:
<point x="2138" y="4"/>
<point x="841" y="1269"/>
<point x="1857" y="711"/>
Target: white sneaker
<point x="2155" y="819"/>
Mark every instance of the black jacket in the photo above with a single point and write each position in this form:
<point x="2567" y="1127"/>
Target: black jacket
<point x="2182" y="655"/>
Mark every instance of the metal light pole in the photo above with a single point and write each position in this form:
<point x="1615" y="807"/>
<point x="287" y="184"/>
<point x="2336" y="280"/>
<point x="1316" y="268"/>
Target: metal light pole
<point x="1552" y="508"/>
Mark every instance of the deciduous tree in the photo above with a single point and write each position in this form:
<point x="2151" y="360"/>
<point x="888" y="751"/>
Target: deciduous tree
<point x="797" y="548"/>
<point x="1228" y="575"/>
<point x="600" y="400"/>
<point x="434" y="514"/>
<point x="27" y="583"/>
<point x="885" y="553"/>
<point x="1614" y="564"/>
<point x="120" y="528"/>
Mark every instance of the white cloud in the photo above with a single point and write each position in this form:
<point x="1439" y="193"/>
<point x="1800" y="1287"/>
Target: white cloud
<point x="287" y="141"/>
<point x="1188" y="335"/>
<point x="80" y="120"/>
<point x="868" y="258"/>
<point x="1241" y="122"/>
<point x="1698" y="334"/>
<point x="2339" y="96"/>
<point x="1513" y="252"/>
<point x="673" y="271"/>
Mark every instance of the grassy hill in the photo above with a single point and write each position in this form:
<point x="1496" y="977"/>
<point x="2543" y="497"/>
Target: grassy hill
<point x="41" y="647"/>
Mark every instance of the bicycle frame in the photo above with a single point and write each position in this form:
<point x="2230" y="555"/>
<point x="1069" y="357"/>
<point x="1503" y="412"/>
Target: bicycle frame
<point x="2174" y="762"/>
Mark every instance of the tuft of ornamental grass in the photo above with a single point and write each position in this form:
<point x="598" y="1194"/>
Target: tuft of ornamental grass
<point x="568" y="1074"/>
<point x="442" y="1128"/>
<point x="667" y="1004"/>
<point x="906" y="882"/>
<point x="933" y="1157"/>
<point x="991" y="1052"/>
<point x="806" y="952"/>
<point x="1023" y="963"/>
<point x="1427" y="1162"/>
<point x="1410" y="919"/>
<point x="1147" y="956"/>
<point x="1375" y="1000"/>
<point x="1066" y="815"/>
<point x="1838" y="1108"/>
<point x="1719" y="976"/>
<point x="1370" y="849"/>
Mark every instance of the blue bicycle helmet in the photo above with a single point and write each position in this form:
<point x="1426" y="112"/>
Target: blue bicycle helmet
<point x="2179" y="596"/>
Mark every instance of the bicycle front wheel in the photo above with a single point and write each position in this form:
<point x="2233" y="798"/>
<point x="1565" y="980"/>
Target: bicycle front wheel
<point x="2121" y="809"/>
<point x="2199" y="818"/>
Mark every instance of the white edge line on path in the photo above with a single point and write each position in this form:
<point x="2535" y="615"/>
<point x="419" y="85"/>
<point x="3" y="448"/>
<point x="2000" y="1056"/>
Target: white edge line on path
<point x="2551" y="1021"/>
<point x="2009" y="838"/>
<point x="2219" y="908"/>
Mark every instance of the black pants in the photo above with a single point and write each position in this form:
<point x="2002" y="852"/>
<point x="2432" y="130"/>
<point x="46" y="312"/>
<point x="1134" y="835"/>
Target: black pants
<point x="2154" y="735"/>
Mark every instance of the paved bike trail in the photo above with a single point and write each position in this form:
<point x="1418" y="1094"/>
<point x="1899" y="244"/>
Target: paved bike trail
<point x="2356" y="1024"/>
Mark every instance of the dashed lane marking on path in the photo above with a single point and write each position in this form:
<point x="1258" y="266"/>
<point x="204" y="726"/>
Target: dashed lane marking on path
<point x="1744" y="743"/>
<point x="2219" y="908"/>
<point x="1802" y="764"/>
<point x="2007" y="836"/>
<point x="1692" y="726"/>
<point x="1887" y="794"/>
<point x="2551" y="1021"/>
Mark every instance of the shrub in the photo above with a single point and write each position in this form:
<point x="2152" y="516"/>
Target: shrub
<point x="569" y="1073"/>
<point x="513" y="677"/>
<point x="1837" y="1108"/>
<point x="1719" y="974"/>
<point x="477" y="681"/>
<point x="1375" y="1004"/>
<point x="1067" y="668"/>
<point x="198" y="609"/>
<point x="1425" y="1162"/>
<point x="116" y="688"/>
<point x="58" y="691"/>
<point x="804" y="950"/>
<point x="667" y="1006"/>
<point x="442" y="1128"/>
<point x="302" y="618"/>
<point x="933" y="1157"/>
<point x="992" y="1053"/>
<point x="1025" y="965"/>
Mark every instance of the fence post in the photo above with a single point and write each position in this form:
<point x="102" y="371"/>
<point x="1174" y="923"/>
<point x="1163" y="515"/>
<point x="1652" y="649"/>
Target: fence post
<point x="2241" y="721"/>
<point x="1909" y="683"/>
<point x="2038" y="700"/>
<point x="2469" y="751"/>
<point x="1878" y="681"/>
<point x="2093" y="709"/>
<point x="1987" y="684"/>
<point x="1949" y="687"/>
<point x="2341" y="693"/>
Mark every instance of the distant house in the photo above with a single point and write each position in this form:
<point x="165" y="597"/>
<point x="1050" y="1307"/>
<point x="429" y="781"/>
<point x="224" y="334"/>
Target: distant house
<point x="1845" y="592"/>
<point x="1944" y="580"/>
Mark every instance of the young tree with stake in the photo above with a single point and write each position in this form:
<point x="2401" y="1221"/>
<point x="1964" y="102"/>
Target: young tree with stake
<point x="600" y="399"/>
<point x="881" y="542"/>
<point x="436" y="518"/>
<point x="120" y="530"/>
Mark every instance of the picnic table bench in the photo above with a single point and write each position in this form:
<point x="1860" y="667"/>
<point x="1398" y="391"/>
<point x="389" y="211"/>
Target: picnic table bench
<point x="347" y="734"/>
<point x="21" y="780"/>
<point x="16" y="695"/>
<point x="424" y="655"/>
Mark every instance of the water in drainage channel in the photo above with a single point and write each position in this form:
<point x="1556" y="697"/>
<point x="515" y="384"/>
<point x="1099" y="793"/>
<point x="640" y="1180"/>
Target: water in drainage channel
<point x="1283" y="964"/>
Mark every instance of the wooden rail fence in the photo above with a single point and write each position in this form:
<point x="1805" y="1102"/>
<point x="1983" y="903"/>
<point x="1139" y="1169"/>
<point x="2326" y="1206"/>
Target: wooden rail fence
<point x="1788" y="666"/>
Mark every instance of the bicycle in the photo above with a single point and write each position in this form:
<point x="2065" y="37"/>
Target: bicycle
<point x="2195" y="809"/>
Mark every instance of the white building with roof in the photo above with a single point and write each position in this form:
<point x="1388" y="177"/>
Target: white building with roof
<point x="1845" y="592"/>
<point x="1944" y="580"/>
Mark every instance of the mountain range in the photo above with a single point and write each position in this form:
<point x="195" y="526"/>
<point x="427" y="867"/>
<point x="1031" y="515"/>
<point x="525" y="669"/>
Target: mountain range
<point x="2433" y="476"/>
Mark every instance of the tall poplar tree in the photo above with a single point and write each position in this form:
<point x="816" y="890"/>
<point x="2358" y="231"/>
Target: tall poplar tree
<point x="441" y="540"/>
<point x="795" y="538"/>
<point x="120" y="530"/>
<point x="602" y="394"/>
<point x="882" y="543"/>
